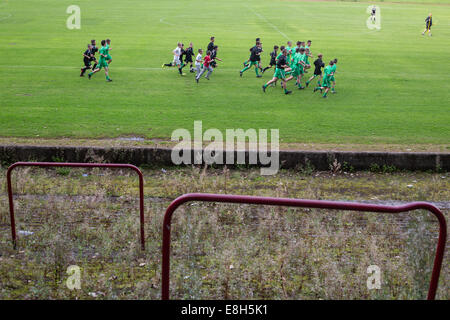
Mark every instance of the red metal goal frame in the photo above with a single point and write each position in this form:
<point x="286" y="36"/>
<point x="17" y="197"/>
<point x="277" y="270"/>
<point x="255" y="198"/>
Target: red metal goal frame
<point x="75" y="165"/>
<point x="320" y="204"/>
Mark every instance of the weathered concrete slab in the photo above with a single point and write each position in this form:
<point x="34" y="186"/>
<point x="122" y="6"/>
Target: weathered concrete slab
<point x="319" y="160"/>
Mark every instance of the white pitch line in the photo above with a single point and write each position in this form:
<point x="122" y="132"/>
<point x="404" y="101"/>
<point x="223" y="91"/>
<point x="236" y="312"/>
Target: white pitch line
<point x="267" y="21"/>
<point x="69" y="67"/>
<point x="7" y="17"/>
<point x="77" y="68"/>
<point x="168" y="23"/>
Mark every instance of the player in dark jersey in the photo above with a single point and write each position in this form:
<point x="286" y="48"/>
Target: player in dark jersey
<point x="87" y="56"/>
<point x="214" y="57"/>
<point x="258" y="58"/>
<point x="428" y="24"/>
<point x="182" y="53"/>
<point x="245" y="63"/>
<point x="273" y="59"/>
<point x="211" y="44"/>
<point x="254" y="60"/>
<point x="189" y="53"/>
<point x="318" y="64"/>
<point x="94" y="50"/>
<point x="280" y="72"/>
<point x="373" y="14"/>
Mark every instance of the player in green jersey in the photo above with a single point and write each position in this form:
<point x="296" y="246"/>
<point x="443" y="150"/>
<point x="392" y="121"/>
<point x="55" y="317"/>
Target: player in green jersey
<point x="289" y="51"/>
<point x="298" y="65"/>
<point x="102" y="63"/>
<point x="333" y="69"/>
<point x="298" y="43"/>
<point x="308" y="45"/>
<point x="303" y="65"/>
<point x="294" y="65"/>
<point x="279" y="73"/>
<point x="108" y="48"/>
<point x="308" y="55"/>
<point x="326" y="81"/>
<point x="280" y="54"/>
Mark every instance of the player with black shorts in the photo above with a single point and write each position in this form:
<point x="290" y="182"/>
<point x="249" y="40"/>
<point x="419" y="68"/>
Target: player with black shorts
<point x="318" y="64"/>
<point x="428" y="24"/>
<point x="273" y="59"/>
<point x="182" y="53"/>
<point x="211" y="44"/>
<point x="258" y="57"/>
<point x="94" y="50"/>
<point x="189" y="53"/>
<point x="254" y="60"/>
<point x="87" y="56"/>
<point x="214" y="57"/>
<point x="246" y="62"/>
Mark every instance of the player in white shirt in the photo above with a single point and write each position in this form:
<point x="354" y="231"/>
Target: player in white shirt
<point x="176" y="58"/>
<point x="198" y="62"/>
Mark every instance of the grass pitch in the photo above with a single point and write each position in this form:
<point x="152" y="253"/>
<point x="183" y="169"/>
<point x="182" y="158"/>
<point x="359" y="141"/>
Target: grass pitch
<point x="392" y="84"/>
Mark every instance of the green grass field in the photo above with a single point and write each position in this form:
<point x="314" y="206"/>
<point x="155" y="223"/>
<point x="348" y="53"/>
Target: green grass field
<point x="392" y="84"/>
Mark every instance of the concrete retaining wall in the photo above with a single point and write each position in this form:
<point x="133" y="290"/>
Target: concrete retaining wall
<point x="319" y="160"/>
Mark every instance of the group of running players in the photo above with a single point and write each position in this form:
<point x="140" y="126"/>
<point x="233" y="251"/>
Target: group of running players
<point x="202" y="64"/>
<point x="290" y="63"/>
<point x="293" y="63"/>
<point x="104" y="60"/>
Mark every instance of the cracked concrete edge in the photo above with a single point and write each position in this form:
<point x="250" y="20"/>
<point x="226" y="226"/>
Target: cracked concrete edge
<point x="161" y="157"/>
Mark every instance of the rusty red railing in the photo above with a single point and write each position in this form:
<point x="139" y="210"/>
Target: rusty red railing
<point x="320" y="204"/>
<point x="75" y="165"/>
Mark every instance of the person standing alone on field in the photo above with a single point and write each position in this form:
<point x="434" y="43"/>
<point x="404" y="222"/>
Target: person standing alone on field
<point x="428" y="24"/>
<point x="373" y="14"/>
